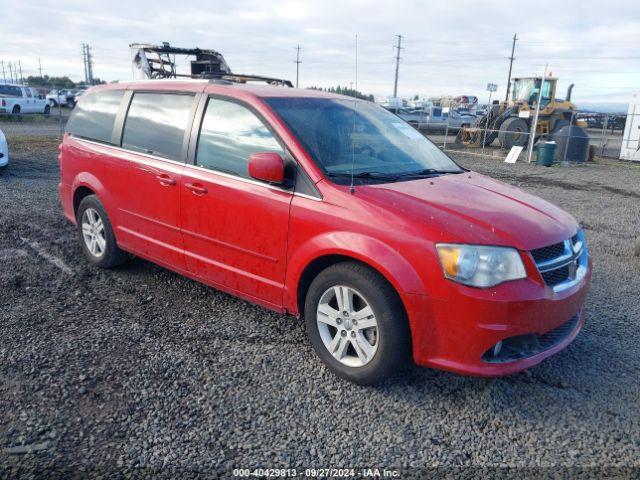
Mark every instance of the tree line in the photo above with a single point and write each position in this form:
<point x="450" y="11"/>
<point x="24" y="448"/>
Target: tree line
<point x="58" y="82"/>
<point x="350" y="92"/>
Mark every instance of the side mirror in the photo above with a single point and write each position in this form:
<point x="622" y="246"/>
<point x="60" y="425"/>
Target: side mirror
<point x="266" y="166"/>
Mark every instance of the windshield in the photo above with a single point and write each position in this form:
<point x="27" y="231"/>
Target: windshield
<point x="341" y="134"/>
<point x="527" y="90"/>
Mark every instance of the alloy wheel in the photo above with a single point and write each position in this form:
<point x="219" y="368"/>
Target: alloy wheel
<point x="347" y="326"/>
<point x="93" y="232"/>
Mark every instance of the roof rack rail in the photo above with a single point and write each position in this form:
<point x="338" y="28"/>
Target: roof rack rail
<point x="242" y="78"/>
<point x="159" y="62"/>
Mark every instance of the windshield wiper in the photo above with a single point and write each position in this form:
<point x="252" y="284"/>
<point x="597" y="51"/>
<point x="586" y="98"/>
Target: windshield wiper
<point x="424" y="173"/>
<point x="372" y="175"/>
<point x="427" y="172"/>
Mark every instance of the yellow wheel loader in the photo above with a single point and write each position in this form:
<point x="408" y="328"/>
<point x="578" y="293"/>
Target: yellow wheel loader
<point x="511" y="122"/>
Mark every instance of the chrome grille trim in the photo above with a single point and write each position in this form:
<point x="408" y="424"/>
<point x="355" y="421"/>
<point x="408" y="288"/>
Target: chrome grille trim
<point x="567" y="268"/>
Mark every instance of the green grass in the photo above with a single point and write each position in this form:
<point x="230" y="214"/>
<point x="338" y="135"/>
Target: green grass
<point x="29" y="118"/>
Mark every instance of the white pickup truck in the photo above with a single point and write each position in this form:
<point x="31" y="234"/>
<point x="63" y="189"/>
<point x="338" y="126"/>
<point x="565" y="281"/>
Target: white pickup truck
<point x="437" y="118"/>
<point x="17" y="99"/>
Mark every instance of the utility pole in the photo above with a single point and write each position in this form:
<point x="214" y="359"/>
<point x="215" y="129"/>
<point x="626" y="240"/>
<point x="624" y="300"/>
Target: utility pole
<point x="84" y="61"/>
<point x="21" y="77"/>
<point x="88" y="64"/>
<point x="398" y="48"/>
<point x="40" y="67"/>
<point x="4" y="78"/>
<point x="10" y="73"/>
<point x="298" y="62"/>
<point x="511" y="59"/>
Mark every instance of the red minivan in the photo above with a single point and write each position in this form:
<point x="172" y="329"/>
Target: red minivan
<point x="331" y="209"/>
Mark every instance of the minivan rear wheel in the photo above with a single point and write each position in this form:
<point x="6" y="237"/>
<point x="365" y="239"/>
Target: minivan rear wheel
<point x="356" y="323"/>
<point x="96" y="234"/>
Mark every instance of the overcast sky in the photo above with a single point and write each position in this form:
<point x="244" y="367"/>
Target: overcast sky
<point x="450" y="47"/>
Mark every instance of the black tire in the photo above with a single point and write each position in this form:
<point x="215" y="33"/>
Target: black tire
<point x="16" y="109"/>
<point x="513" y="132"/>
<point x="47" y="109"/>
<point x="393" y="337"/>
<point x="111" y="256"/>
<point x="53" y="103"/>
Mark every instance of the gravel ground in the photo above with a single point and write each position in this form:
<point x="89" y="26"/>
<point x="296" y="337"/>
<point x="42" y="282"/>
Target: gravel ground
<point x="139" y="370"/>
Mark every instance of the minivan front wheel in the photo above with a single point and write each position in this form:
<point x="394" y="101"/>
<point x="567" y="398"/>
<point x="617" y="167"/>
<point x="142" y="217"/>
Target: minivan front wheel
<point x="96" y="234"/>
<point x="356" y="323"/>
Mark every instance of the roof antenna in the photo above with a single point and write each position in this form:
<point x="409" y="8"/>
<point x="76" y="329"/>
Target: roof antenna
<point x="352" y="188"/>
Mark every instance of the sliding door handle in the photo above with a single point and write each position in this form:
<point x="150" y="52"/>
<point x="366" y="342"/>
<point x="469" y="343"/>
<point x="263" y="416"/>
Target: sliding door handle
<point x="196" y="188"/>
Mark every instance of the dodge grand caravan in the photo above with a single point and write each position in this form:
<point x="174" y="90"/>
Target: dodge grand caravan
<point x="331" y="209"/>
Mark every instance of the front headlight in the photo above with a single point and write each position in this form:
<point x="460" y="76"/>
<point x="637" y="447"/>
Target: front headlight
<point x="480" y="266"/>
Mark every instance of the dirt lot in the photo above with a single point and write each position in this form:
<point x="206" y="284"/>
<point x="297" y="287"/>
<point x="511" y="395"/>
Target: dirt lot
<point x="138" y="369"/>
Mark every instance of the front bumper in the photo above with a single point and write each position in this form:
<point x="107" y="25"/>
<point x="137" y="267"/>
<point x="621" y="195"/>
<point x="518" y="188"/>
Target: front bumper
<point x="455" y="333"/>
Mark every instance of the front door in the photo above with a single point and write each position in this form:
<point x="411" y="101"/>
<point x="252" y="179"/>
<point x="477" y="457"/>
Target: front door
<point x="29" y="101"/>
<point x="234" y="228"/>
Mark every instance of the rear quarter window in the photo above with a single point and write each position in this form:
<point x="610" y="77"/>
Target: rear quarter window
<point x="94" y="116"/>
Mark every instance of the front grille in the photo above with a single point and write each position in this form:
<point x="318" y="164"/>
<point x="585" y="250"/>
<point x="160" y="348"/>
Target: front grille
<point x="555" y="336"/>
<point x="558" y="263"/>
<point x="554" y="277"/>
<point x="523" y="346"/>
<point x="548" y="253"/>
<point x="575" y="239"/>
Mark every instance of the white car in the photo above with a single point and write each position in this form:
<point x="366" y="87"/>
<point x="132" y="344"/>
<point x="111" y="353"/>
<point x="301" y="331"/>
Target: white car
<point x="65" y="98"/>
<point x="17" y="99"/>
<point x="4" y="151"/>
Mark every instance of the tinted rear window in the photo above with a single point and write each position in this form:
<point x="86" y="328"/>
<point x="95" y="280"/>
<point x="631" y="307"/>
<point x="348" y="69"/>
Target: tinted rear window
<point x="156" y="123"/>
<point x="10" y="91"/>
<point x="95" y="114"/>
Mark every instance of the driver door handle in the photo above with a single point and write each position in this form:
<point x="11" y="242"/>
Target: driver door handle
<point x="166" y="180"/>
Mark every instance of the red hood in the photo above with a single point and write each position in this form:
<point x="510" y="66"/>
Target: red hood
<point x="472" y="208"/>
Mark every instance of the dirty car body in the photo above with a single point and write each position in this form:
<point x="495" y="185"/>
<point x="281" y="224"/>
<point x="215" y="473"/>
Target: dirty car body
<point x="490" y="279"/>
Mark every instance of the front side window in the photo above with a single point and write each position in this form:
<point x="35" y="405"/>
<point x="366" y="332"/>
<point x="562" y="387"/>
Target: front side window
<point x="156" y="123"/>
<point x="346" y="135"/>
<point x="230" y="133"/>
<point x="95" y="114"/>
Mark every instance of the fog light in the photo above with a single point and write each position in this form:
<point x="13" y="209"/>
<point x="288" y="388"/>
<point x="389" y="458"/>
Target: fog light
<point x="496" y="348"/>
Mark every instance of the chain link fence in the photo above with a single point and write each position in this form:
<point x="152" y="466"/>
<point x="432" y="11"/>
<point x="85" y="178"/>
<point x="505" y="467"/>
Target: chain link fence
<point x="29" y="134"/>
<point x="599" y="135"/>
<point x="609" y="136"/>
<point x="35" y="124"/>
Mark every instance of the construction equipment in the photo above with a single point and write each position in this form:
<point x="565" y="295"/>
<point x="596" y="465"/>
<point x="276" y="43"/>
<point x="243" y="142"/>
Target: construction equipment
<point x="511" y="122"/>
<point x="159" y="61"/>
